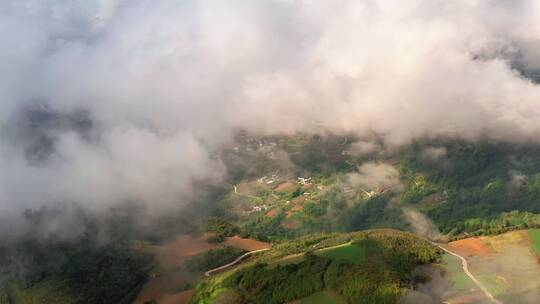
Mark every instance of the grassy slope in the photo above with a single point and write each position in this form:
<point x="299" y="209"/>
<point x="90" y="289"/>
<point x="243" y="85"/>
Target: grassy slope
<point x="293" y="259"/>
<point x="347" y="252"/>
<point x="212" y="289"/>
<point x="460" y="280"/>
<point x="510" y="272"/>
<point x="535" y="238"/>
<point x="318" y="298"/>
<point x="398" y="242"/>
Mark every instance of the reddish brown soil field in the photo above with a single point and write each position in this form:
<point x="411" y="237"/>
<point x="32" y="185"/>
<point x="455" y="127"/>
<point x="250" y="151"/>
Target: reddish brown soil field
<point x="286" y="187"/>
<point x="308" y="187"/>
<point x="177" y="298"/>
<point x="272" y="213"/>
<point x="170" y="258"/>
<point x="178" y="250"/>
<point x="184" y="296"/>
<point x="470" y="247"/>
<point x="290" y="224"/>
<point x="467" y="299"/>
<point x="159" y="289"/>
<point x="299" y="199"/>
<point x="246" y="244"/>
<point x="297" y="207"/>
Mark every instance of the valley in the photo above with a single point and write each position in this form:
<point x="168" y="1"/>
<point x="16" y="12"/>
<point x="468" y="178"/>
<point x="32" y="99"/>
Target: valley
<point x="307" y="204"/>
<point x="269" y="152"/>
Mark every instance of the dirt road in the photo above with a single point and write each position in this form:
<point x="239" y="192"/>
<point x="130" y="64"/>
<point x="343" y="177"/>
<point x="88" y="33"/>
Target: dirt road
<point x="465" y="267"/>
<point x="238" y="260"/>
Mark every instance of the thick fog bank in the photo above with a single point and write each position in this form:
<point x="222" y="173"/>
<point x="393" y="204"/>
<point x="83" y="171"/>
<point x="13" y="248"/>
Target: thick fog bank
<point x="103" y="102"/>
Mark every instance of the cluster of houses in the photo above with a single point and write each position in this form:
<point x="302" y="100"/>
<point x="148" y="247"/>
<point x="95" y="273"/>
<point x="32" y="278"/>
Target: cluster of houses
<point x="259" y="208"/>
<point x="252" y="144"/>
<point x="304" y="180"/>
<point x="256" y="209"/>
<point x="268" y="180"/>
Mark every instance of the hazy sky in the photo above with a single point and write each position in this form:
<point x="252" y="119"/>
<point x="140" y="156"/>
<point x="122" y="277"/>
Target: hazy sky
<point x="166" y="83"/>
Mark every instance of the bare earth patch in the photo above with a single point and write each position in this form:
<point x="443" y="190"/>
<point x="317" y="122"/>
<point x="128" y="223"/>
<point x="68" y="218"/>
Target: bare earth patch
<point x="184" y="296"/>
<point x="297" y="207"/>
<point x="468" y="299"/>
<point x="170" y="258"/>
<point x="470" y="247"/>
<point x="286" y="187"/>
<point x="272" y="213"/>
<point x="290" y="224"/>
<point x="160" y="290"/>
<point x="298" y="200"/>
<point x="246" y="244"/>
<point x="175" y="252"/>
<point x="512" y="273"/>
<point x="499" y="242"/>
<point x="508" y="268"/>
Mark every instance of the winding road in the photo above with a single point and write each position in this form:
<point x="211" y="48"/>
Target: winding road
<point x="238" y="260"/>
<point x="465" y="267"/>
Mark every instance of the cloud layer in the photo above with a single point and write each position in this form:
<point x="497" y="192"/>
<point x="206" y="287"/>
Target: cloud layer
<point x="166" y="84"/>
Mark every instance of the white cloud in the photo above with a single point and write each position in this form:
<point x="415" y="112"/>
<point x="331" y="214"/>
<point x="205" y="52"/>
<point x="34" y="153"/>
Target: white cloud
<point x="167" y="82"/>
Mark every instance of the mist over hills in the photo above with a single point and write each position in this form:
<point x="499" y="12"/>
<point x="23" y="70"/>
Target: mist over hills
<point x="163" y="86"/>
<point x="125" y="123"/>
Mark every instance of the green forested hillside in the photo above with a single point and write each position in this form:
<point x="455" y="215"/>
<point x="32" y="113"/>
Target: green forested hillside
<point x="86" y="274"/>
<point x="381" y="277"/>
<point x="463" y="187"/>
<point x="301" y="193"/>
<point x="79" y="270"/>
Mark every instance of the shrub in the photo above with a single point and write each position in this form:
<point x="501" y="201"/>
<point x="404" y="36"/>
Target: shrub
<point x="220" y="227"/>
<point x="261" y="285"/>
